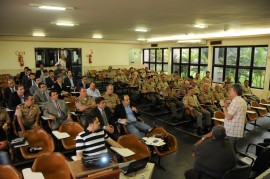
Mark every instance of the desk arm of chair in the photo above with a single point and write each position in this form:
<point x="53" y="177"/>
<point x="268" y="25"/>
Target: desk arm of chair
<point x="256" y="145"/>
<point x="245" y="155"/>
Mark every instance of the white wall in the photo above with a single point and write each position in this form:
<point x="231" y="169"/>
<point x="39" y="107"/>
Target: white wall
<point x="104" y="54"/>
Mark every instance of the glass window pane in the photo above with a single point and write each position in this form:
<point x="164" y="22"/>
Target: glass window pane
<point x="258" y="78"/>
<point x="152" y="67"/>
<point x="194" y="55"/>
<point x="230" y="72"/>
<point x="231" y="56"/>
<point x="185" y="55"/>
<point x="176" y="68"/>
<point x="152" y="55"/>
<point x="159" y="55"/>
<point x="218" y="74"/>
<point x="219" y="56"/>
<point x="165" y="67"/>
<point x="245" y="56"/>
<point x="193" y="70"/>
<point x="159" y="67"/>
<point x="260" y="56"/>
<point x="203" y="70"/>
<point x="204" y="55"/>
<point x="243" y="74"/>
<point x="166" y="55"/>
<point x="146" y="55"/>
<point x="176" y="55"/>
<point x="184" y="71"/>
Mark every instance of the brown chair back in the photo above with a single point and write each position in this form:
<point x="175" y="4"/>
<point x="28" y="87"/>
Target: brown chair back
<point x="9" y="172"/>
<point x="37" y="138"/>
<point x="170" y="140"/>
<point x="261" y="112"/>
<point x="133" y="143"/>
<point x="73" y="129"/>
<point x="263" y="101"/>
<point x="71" y="105"/>
<point x="52" y="166"/>
<point x="252" y="116"/>
<point x="219" y="115"/>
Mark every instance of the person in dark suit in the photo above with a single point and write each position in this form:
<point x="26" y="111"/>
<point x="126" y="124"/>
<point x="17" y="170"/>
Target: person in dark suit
<point x="70" y="81"/>
<point x="127" y="114"/>
<point x="50" y="80"/>
<point x="60" y="87"/>
<point x="82" y="83"/>
<point x="106" y="118"/>
<point x="30" y="82"/>
<point x="40" y="72"/>
<point x="57" y="111"/>
<point x="23" y="73"/>
<point x="11" y="88"/>
<point x="42" y="95"/>
<point x="16" y="98"/>
<point x="26" y="78"/>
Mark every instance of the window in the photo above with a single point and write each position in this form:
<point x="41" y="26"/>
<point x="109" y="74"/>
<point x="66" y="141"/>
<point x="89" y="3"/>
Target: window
<point x="240" y="63"/>
<point x="156" y="59"/>
<point x="190" y="60"/>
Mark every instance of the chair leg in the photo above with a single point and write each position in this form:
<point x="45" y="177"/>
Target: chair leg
<point x="159" y="164"/>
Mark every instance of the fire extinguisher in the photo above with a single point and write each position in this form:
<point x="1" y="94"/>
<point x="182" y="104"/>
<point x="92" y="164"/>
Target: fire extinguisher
<point x="20" y="59"/>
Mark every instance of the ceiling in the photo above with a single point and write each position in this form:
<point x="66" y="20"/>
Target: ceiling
<point x="117" y="19"/>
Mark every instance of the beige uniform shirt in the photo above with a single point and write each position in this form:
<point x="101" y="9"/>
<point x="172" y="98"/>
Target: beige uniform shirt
<point x="29" y="114"/>
<point x="191" y="101"/>
<point x="3" y="116"/>
<point x="246" y="90"/>
<point x="218" y="95"/>
<point x="206" y="96"/>
<point x="111" y="100"/>
<point x="89" y="100"/>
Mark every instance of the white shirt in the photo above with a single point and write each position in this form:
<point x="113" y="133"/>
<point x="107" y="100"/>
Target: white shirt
<point x="92" y="93"/>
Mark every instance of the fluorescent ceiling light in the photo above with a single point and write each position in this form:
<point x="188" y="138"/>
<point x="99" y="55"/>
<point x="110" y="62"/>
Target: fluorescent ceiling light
<point x="201" y="26"/>
<point x="38" y="34"/>
<point x="141" y="30"/>
<point x="230" y="33"/>
<point x="141" y="39"/>
<point x="65" y="24"/>
<point x="97" y="36"/>
<point x="189" y="41"/>
<point x="52" y="8"/>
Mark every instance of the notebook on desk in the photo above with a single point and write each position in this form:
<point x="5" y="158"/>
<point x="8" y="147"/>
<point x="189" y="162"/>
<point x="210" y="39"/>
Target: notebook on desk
<point x="135" y="166"/>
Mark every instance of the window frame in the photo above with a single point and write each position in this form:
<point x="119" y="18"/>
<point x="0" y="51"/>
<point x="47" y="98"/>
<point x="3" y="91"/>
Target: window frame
<point x="148" y="63"/>
<point x="237" y="66"/>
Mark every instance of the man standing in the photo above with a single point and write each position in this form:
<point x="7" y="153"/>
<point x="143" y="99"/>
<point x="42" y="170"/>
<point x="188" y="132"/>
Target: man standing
<point x="57" y="111"/>
<point x="91" y="142"/>
<point x="213" y="155"/>
<point x="127" y="115"/>
<point x="106" y="118"/>
<point x="28" y="114"/>
<point x="235" y="114"/>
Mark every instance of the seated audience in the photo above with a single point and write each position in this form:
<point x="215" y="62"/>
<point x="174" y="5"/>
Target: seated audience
<point x="91" y="142"/>
<point x="82" y="83"/>
<point x="60" y="87"/>
<point x="11" y="88"/>
<point x="40" y="71"/>
<point x="110" y="97"/>
<point x="57" y="111"/>
<point x="4" y="119"/>
<point x="34" y="88"/>
<point x="248" y="93"/>
<point x="28" y="114"/>
<point x="70" y="81"/>
<point x="50" y="80"/>
<point x="213" y="156"/>
<point x="16" y="98"/>
<point x="44" y="76"/>
<point x="126" y="114"/>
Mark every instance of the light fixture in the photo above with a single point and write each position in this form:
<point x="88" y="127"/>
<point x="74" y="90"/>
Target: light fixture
<point x="38" y="34"/>
<point x="49" y="7"/>
<point x="201" y="26"/>
<point x="97" y="36"/>
<point x="141" y="30"/>
<point x="141" y="39"/>
<point x="57" y="8"/>
<point x="65" y="24"/>
<point x="190" y="41"/>
<point x="229" y="33"/>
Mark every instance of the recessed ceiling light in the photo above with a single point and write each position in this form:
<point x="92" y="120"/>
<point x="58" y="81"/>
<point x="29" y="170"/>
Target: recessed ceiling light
<point x="141" y="30"/>
<point x="57" y="8"/>
<point x="65" y="24"/>
<point x="201" y="26"/>
<point x="38" y="34"/>
<point x="97" y="36"/>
